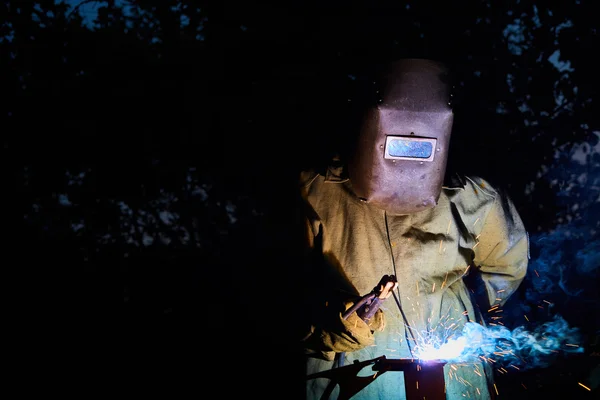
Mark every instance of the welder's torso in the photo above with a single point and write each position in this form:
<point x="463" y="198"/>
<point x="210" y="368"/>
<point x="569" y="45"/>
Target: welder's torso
<point x="429" y="252"/>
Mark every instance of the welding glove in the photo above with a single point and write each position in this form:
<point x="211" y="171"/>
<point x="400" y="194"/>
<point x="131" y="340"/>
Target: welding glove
<point x="334" y="334"/>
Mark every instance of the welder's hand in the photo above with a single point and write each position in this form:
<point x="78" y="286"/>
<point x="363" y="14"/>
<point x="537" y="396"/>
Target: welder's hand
<point x="387" y="289"/>
<point x="337" y="334"/>
<point x="377" y="322"/>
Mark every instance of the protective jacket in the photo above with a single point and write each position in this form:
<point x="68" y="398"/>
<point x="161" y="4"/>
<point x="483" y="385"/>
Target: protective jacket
<point x="473" y="231"/>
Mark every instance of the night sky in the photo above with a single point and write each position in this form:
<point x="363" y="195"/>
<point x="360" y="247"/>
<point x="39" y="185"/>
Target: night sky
<point x="153" y="149"/>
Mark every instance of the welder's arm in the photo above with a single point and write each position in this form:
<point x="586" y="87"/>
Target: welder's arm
<point x="502" y="253"/>
<point x="326" y="330"/>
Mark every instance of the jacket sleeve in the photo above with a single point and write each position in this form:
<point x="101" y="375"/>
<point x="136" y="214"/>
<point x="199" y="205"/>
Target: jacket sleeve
<point x="502" y="250"/>
<point x="325" y="302"/>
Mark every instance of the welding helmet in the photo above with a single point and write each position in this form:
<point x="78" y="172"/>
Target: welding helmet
<point x="399" y="161"/>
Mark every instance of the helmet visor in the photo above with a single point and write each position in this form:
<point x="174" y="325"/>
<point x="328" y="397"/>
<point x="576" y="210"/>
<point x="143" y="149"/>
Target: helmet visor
<point x="409" y="148"/>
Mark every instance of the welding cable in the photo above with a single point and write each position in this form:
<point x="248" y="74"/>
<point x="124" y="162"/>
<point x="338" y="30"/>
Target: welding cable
<point x="396" y="298"/>
<point x="405" y="324"/>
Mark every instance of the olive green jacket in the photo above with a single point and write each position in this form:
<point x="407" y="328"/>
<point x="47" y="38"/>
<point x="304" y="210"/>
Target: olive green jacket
<point x="473" y="231"/>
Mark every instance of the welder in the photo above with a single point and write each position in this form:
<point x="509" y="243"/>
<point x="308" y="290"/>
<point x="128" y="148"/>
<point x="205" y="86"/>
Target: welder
<point x="389" y="207"/>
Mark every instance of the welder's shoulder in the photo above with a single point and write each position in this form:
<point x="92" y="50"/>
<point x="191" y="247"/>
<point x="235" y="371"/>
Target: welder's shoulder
<point x="469" y="185"/>
<point x="310" y="183"/>
<point x="333" y="174"/>
<point x="470" y="193"/>
<point x="480" y="187"/>
<point x="307" y="177"/>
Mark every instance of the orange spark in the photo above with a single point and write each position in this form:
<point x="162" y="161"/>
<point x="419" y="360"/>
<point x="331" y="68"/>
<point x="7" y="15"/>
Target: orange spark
<point x="582" y="385"/>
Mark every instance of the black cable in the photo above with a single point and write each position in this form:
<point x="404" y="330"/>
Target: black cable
<point x="396" y="298"/>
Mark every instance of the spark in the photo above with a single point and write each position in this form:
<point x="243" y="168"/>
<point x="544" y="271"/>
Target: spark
<point x="448" y="230"/>
<point x="524" y="386"/>
<point x="538" y="275"/>
<point x="440" y="249"/>
<point x="476" y="244"/>
<point x="572" y="345"/>
<point x="582" y="385"/>
<point x="476" y="221"/>
<point x="526" y="317"/>
<point x="545" y="301"/>
<point x="445" y="280"/>
<point x="496" y="389"/>
<point x="433" y="288"/>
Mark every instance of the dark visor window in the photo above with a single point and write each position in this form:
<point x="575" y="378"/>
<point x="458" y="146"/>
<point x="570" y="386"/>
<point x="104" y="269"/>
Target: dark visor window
<point x="408" y="148"/>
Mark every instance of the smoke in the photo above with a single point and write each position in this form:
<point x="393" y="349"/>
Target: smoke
<point x="564" y="269"/>
<point x="517" y="348"/>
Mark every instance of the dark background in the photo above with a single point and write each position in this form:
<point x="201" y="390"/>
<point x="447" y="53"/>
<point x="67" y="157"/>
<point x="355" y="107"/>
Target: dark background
<point x="152" y="150"/>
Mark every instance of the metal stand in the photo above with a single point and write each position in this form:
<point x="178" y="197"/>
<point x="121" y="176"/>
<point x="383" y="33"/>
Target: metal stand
<point x="422" y="379"/>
